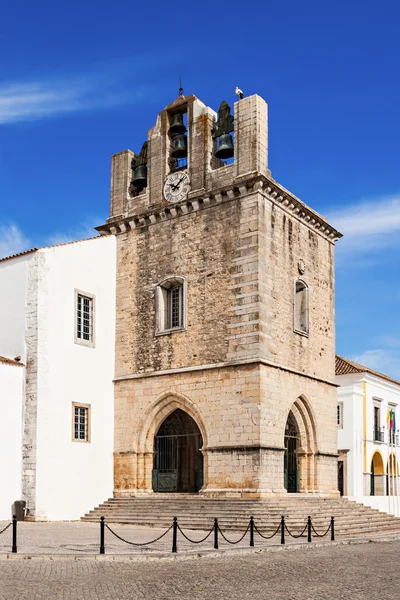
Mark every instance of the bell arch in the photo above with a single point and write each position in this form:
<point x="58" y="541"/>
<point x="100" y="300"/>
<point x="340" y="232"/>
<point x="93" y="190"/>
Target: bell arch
<point x="303" y="456"/>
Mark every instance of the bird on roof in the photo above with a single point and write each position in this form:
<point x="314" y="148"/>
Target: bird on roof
<point x="239" y="93"/>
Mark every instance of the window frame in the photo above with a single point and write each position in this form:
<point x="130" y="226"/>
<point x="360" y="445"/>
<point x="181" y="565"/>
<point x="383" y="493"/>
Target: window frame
<point x="378" y="430"/>
<point x="296" y="329"/>
<point x="164" y="307"/>
<point x="92" y="298"/>
<point x="339" y="415"/>
<point x="88" y="408"/>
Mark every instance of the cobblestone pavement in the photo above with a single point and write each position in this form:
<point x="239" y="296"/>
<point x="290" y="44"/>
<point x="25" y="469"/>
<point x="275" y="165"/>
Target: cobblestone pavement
<point x="77" y="537"/>
<point x="358" y="572"/>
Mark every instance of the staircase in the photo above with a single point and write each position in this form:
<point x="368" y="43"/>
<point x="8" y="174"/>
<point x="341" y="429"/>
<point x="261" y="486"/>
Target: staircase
<point x="196" y="512"/>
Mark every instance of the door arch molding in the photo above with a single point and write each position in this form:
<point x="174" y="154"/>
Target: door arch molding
<point x="159" y="410"/>
<point x="307" y="449"/>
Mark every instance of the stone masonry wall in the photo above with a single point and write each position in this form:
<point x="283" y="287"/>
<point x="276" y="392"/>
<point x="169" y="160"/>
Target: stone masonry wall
<point x="242" y="413"/>
<point x="30" y="404"/>
<point x="284" y="241"/>
<point x="214" y="249"/>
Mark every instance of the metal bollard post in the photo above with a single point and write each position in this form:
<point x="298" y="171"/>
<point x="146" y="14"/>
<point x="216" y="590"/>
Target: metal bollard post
<point x="309" y="529"/>
<point x="216" y="534"/>
<point x="102" y="549"/>
<point x="332" y="529"/>
<point x="14" y="534"/>
<point x="174" y="534"/>
<point x="251" y="531"/>
<point x="282" y="529"/>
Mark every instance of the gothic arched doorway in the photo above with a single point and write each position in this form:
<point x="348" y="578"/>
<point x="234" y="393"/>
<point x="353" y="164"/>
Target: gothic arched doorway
<point x="178" y="460"/>
<point x="291" y="472"/>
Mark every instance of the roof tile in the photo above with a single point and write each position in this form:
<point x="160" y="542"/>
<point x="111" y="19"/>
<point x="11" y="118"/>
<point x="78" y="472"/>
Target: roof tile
<point x="10" y="361"/>
<point x="344" y="366"/>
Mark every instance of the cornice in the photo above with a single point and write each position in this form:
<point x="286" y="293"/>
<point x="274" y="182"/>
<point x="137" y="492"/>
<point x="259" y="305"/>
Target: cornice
<point x="202" y="199"/>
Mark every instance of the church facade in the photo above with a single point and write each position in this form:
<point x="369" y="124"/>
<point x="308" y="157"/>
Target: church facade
<point x="225" y="336"/>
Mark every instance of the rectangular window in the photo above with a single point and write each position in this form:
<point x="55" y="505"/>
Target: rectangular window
<point x="301" y="307"/>
<point x="81" y="422"/>
<point x="377" y="417"/>
<point x="84" y="318"/>
<point x="339" y="415"/>
<point x="170" y="297"/>
<point x="378" y="430"/>
<point x="175" y="299"/>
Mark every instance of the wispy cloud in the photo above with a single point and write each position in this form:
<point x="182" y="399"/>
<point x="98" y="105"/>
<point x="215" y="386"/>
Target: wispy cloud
<point x="80" y="232"/>
<point x="369" y="225"/>
<point x="32" y="100"/>
<point x="385" y="361"/>
<point x="12" y="240"/>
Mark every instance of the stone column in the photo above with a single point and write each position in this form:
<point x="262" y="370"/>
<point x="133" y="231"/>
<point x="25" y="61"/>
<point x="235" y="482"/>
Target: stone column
<point x="251" y="136"/>
<point x="121" y="177"/>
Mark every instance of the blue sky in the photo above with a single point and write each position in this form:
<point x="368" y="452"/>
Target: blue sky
<point x="80" y="81"/>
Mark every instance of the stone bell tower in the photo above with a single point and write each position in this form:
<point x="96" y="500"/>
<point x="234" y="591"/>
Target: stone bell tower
<point x="225" y="343"/>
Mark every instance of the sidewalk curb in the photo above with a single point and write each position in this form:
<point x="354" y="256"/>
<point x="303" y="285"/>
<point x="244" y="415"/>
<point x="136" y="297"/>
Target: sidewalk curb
<point x="190" y="555"/>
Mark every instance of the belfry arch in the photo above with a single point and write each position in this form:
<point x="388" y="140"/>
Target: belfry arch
<point x="300" y="448"/>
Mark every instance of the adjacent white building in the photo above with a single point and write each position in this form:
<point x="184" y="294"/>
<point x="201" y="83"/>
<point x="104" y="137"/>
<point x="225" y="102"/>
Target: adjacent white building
<point x="368" y="452"/>
<point x="11" y="391"/>
<point x="57" y="330"/>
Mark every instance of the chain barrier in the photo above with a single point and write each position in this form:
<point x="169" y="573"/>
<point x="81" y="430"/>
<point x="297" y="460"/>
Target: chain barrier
<point x="14" y="533"/>
<point x="195" y="541"/>
<point x="138" y="543"/>
<point x="216" y="529"/>
<point x="267" y="537"/>
<point x="297" y="535"/>
<point x="5" y="528"/>
<point x="237" y="541"/>
<point x="282" y="527"/>
<point x="321" y="534"/>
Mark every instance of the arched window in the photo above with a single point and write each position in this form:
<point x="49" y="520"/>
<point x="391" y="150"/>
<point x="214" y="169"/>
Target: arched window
<point x="171" y="305"/>
<point x="301" y="307"/>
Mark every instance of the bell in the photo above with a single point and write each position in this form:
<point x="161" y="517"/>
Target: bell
<point x="177" y="125"/>
<point x="179" y="146"/>
<point x="140" y="176"/>
<point x="225" y="146"/>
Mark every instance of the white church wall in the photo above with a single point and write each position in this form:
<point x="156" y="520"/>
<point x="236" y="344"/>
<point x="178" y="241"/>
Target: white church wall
<point x="11" y="390"/>
<point x="72" y="477"/>
<point x="13" y="286"/>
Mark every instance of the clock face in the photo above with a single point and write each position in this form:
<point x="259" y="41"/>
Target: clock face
<point x="176" y="186"/>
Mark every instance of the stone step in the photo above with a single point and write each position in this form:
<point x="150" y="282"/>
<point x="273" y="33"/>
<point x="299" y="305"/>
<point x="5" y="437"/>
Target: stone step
<point x="219" y="508"/>
<point x="245" y="513"/>
<point x="236" y="509"/>
<point x="240" y="524"/>
<point x="195" y="512"/>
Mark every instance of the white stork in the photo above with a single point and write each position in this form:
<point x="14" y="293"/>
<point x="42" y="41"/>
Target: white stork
<point x="239" y="93"/>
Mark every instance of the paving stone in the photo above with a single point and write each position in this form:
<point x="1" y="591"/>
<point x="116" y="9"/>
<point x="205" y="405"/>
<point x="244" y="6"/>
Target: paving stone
<point x="356" y="572"/>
